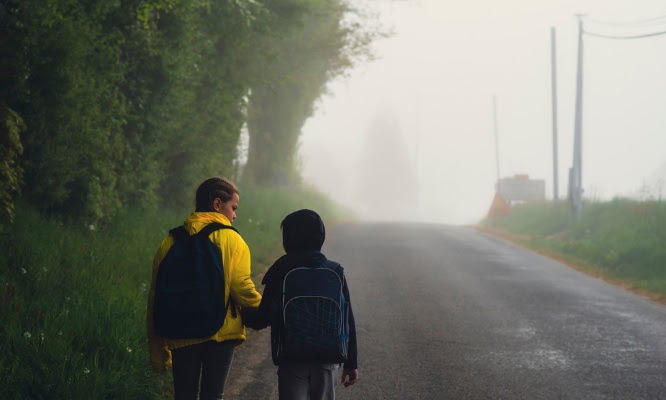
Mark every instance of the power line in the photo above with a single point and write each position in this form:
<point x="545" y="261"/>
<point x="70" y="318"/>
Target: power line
<point x="628" y="23"/>
<point x="624" y="37"/>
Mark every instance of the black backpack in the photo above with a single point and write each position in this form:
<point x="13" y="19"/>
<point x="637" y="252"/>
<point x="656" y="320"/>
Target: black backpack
<point x="189" y="287"/>
<point x="315" y="316"/>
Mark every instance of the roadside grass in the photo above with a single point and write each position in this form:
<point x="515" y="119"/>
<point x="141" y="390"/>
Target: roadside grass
<point x="72" y="311"/>
<point x="622" y="240"/>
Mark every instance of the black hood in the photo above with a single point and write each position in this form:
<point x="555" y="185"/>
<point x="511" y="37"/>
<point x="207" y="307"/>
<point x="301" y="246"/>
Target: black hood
<point x="302" y="230"/>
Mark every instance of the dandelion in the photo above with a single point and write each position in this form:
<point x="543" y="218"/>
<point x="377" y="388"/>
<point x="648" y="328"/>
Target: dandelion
<point x="91" y="227"/>
<point x="129" y="350"/>
<point x="86" y="370"/>
<point x="27" y="335"/>
<point x="23" y="271"/>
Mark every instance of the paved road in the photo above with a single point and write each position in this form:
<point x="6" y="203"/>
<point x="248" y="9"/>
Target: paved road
<point x="450" y="313"/>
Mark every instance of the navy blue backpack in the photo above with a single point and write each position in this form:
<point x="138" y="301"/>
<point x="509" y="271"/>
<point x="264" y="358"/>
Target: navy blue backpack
<point x="315" y="315"/>
<point x="189" y="288"/>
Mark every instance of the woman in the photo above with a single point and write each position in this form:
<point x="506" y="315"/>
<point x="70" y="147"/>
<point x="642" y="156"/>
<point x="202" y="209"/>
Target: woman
<point x="201" y="365"/>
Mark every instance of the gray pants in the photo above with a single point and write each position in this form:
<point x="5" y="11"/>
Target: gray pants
<point x="204" y="365"/>
<point x="307" y="381"/>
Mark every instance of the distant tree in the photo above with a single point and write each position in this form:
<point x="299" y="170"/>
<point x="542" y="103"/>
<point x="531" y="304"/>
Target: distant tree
<point x="387" y="186"/>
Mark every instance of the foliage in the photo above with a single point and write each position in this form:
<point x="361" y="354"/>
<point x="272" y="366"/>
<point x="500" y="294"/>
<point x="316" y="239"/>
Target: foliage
<point x="135" y="101"/>
<point x="308" y="52"/>
<point x="66" y="89"/>
<point x="72" y="311"/>
<point x="11" y="174"/>
<point x="621" y="239"/>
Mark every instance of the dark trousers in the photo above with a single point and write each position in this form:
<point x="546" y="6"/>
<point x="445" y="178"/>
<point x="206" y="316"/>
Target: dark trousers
<point x="204" y="365"/>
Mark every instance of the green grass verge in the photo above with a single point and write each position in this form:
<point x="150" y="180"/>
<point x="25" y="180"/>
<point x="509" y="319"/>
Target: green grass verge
<point x="72" y="311"/>
<point x="620" y="240"/>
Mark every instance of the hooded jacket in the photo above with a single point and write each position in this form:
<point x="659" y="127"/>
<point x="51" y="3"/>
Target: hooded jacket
<point x="303" y="235"/>
<point x="239" y="285"/>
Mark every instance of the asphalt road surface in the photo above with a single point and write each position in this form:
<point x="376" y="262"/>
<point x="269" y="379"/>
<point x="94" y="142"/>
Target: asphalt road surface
<point x="446" y="312"/>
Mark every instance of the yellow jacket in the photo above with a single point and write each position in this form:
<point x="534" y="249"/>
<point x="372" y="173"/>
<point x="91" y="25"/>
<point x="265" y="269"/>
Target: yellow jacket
<point x="236" y="262"/>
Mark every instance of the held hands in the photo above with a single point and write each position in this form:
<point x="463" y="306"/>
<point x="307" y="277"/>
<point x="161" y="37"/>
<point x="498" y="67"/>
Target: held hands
<point x="349" y="377"/>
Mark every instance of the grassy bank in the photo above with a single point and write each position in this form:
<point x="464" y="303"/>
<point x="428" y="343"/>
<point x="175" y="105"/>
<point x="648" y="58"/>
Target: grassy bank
<point x="623" y="240"/>
<point x="72" y="311"/>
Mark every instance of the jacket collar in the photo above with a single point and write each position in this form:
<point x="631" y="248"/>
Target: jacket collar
<point x="197" y="220"/>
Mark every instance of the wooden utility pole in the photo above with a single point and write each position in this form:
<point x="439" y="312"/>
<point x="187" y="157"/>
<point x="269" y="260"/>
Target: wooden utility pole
<point x="577" y="175"/>
<point x="496" y="142"/>
<point x="554" y="93"/>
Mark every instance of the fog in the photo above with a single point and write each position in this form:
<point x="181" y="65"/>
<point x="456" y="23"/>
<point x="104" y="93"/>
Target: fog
<point x="410" y="135"/>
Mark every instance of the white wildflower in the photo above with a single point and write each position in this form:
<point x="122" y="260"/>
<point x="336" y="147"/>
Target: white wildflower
<point x="23" y="271"/>
<point x="27" y="335"/>
<point x="86" y="370"/>
<point x="129" y="350"/>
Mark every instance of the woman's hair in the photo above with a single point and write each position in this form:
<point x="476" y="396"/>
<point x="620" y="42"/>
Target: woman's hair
<point x="211" y="189"/>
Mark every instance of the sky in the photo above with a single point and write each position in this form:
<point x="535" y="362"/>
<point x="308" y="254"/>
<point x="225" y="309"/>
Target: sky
<point x="410" y="136"/>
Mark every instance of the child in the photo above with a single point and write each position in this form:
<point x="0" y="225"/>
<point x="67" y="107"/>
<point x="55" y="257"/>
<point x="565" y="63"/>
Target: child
<point x="303" y="235"/>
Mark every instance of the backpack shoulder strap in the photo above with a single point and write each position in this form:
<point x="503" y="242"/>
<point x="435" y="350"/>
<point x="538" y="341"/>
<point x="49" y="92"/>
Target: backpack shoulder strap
<point x="335" y="267"/>
<point x="179" y="233"/>
<point x="205" y="232"/>
<point x="214" y="226"/>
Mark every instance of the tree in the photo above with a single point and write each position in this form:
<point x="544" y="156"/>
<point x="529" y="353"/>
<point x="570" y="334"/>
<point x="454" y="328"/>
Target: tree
<point x="137" y="101"/>
<point x="311" y="44"/>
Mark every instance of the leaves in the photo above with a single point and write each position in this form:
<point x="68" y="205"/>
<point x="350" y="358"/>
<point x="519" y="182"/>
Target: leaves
<point x="11" y="174"/>
<point x="310" y="44"/>
<point x="138" y="101"/>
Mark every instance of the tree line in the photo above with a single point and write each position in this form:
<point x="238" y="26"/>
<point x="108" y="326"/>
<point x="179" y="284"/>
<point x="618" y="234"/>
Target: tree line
<point x="104" y="103"/>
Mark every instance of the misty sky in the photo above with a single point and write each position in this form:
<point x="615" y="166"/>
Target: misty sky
<point x="433" y="86"/>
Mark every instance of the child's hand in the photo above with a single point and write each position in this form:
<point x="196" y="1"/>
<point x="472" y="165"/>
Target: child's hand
<point x="349" y="377"/>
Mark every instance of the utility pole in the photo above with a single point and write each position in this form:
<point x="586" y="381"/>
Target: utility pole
<point x="496" y="143"/>
<point x="554" y="92"/>
<point x="577" y="175"/>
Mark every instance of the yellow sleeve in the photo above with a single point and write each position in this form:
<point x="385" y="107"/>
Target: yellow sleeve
<point x="160" y="355"/>
<point x="242" y="287"/>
